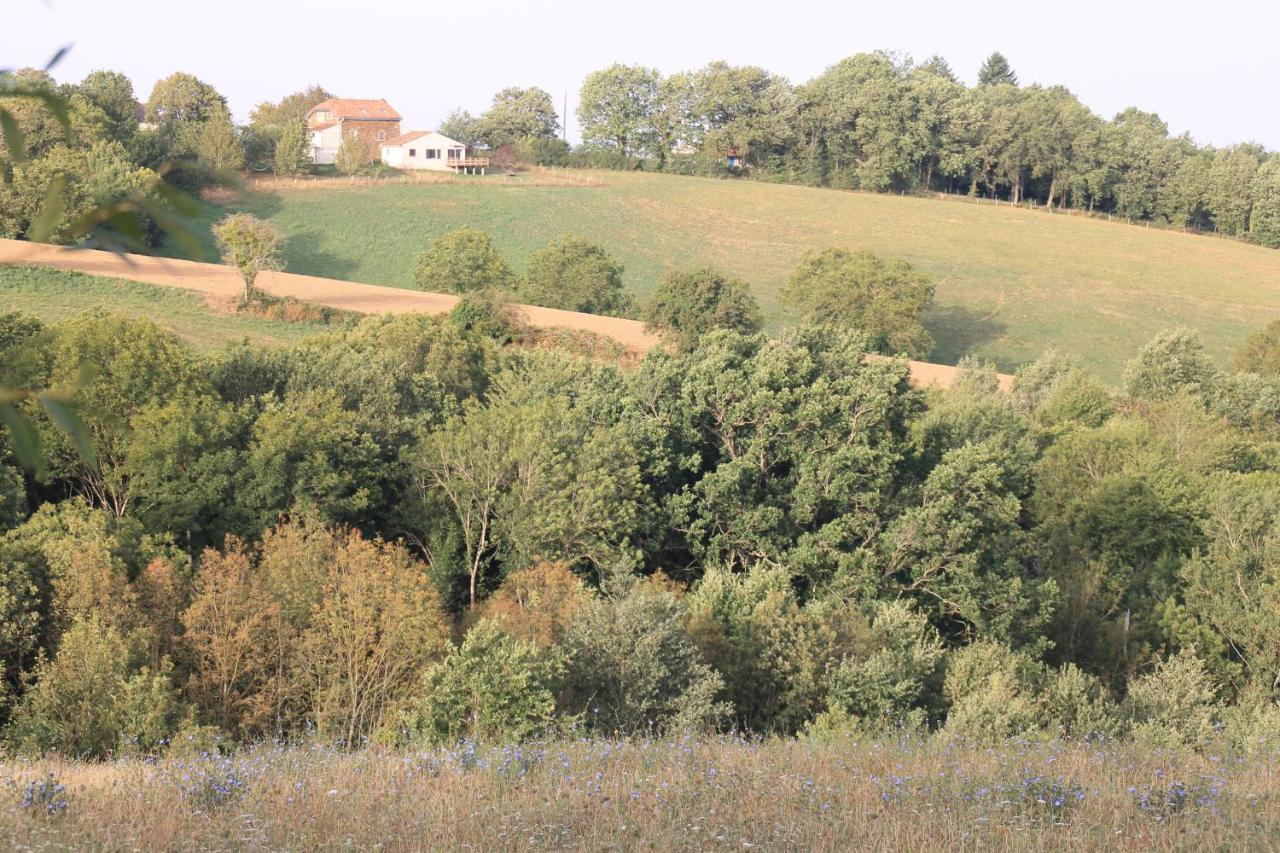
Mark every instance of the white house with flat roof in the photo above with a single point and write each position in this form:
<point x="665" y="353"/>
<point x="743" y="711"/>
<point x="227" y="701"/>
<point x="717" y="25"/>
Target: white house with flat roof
<point x="429" y="149"/>
<point x="423" y="149"/>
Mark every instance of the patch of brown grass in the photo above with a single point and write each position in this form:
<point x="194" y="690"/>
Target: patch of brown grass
<point x="282" y="309"/>
<point x="577" y="341"/>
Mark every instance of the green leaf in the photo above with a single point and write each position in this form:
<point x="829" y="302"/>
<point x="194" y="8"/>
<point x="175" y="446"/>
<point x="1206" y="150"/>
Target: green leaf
<point x="57" y="57"/>
<point x="52" y="101"/>
<point x="128" y="224"/>
<point x="57" y="106"/>
<point x="183" y="202"/>
<point x="46" y="220"/>
<point x="12" y="136"/>
<point x="23" y="437"/>
<point x="66" y="417"/>
<point x="179" y="229"/>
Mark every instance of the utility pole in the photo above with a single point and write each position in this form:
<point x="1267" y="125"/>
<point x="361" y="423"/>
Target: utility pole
<point x="564" y="123"/>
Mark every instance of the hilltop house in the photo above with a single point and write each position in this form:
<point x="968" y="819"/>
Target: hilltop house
<point x="331" y="121"/>
<point x="430" y="149"/>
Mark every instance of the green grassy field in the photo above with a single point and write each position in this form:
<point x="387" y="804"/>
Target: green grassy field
<point x="53" y="295"/>
<point x="1011" y="282"/>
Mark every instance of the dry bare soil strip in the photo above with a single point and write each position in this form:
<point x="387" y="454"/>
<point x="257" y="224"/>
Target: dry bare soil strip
<point x="223" y="282"/>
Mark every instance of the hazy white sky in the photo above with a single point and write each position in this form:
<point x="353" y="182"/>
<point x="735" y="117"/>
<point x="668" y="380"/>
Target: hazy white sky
<point x="1209" y="68"/>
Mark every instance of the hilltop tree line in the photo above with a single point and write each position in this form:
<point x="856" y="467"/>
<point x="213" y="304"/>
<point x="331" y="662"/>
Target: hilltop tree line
<point x="403" y="531"/>
<point x="879" y="122"/>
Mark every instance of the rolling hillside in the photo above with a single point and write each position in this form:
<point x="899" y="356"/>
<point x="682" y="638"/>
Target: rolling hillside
<point x="1011" y="282"/>
<point x="56" y="282"/>
<point x="54" y="294"/>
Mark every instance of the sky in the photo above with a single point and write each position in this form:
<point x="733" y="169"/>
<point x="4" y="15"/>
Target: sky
<point x="1210" y="69"/>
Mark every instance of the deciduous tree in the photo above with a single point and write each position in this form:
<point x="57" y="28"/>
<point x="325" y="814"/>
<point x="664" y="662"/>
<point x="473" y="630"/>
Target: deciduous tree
<point x="251" y="245"/>
<point x="378" y="626"/>
<point x="219" y="145"/>
<point x="355" y="154"/>
<point x="886" y="300"/>
<point x="289" y="109"/>
<point x="462" y="126"/>
<point x="112" y="92"/>
<point x="517" y="113"/>
<point x="493" y="688"/>
<point x="688" y="305"/>
<point x="183" y="98"/>
<point x="462" y="261"/>
<point x="616" y="107"/>
<point x="291" y="157"/>
<point x="574" y="274"/>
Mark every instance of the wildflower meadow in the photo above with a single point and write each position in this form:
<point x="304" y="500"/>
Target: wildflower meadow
<point x="652" y="794"/>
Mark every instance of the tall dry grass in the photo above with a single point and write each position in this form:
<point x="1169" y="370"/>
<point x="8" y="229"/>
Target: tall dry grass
<point x="657" y="795"/>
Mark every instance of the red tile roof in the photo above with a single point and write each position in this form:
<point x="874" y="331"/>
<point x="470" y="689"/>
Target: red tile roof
<point x="325" y="126"/>
<point x="406" y="137"/>
<point x="358" y="108"/>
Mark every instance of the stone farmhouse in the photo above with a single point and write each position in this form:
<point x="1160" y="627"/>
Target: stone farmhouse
<point x="329" y="122"/>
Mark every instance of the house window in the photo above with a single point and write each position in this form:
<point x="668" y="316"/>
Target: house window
<point x="382" y="136"/>
<point x="432" y="153"/>
<point x="413" y="152"/>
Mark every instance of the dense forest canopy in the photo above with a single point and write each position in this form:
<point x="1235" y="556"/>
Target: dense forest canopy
<point x="403" y="531"/>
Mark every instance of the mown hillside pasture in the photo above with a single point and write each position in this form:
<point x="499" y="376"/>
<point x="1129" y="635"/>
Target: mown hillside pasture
<point x="1012" y="282"/>
<point x="54" y="295"/>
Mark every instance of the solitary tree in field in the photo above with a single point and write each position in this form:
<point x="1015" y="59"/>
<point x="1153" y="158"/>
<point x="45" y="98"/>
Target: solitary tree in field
<point x="996" y="70"/>
<point x="354" y="155"/>
<point x="884" y="299"/>
<point x="574" y="274"/>
<point x="250" y="245"/>
<point x="291" y="150"/>
<point x="462" y="261"/>
<point x="687" y="305"/>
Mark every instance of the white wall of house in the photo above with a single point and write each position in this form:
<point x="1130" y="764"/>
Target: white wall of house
<point x="324" y="144"/>
<point x="430" y="151"/>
